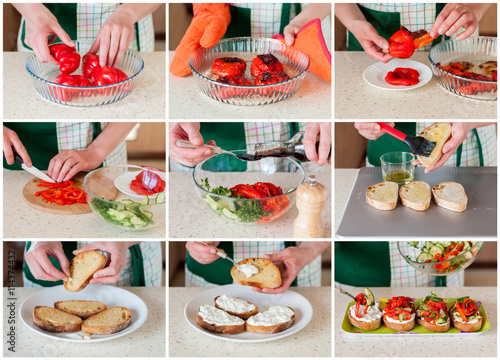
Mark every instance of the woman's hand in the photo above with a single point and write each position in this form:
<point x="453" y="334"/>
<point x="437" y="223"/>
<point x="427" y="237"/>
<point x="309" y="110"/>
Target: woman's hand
<point x="456" y="16"/>
<point x="374" y="45"/>
<point x="10" y="139"/>
<point x="117" y="258"/>
<point x="187" y="131"/>
<point x="370" y="130"/>
<point x="40" y="265"/>
<point x="201" y="253"/>
<point x="324" y="130"/>
<point x="310" y="12"/>
<point x="68" y="163"/>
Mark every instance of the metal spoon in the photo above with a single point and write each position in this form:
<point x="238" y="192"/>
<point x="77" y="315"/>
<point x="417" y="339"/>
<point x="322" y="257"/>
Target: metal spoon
<point x="216" y="150"/>
<point x="221" y="254"/>
<point x="342" y="291"/>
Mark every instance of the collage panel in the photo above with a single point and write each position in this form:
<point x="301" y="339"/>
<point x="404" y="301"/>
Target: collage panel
<point x="217" y="308"/>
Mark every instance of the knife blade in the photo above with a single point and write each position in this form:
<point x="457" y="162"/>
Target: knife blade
<point x="32" y="170"/>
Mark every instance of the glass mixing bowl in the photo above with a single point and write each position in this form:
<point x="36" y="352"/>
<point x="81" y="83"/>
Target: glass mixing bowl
<point x="473" y="49"/>
<point x="43" y="75"/>
<point x="441" y="268"/>
<point x="295" y="64"/>
<point x="227" y="171"/>
<point x="110" y="197"/>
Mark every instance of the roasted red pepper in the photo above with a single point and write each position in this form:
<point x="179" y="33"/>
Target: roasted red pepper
<point x="67" y="57"/>
<point x="403" y="76"/>
<point x="401" y="44"/>
<point x="234" y="80"/>
<point x="267" y="78"/>
<point x="265" y="63"/>
<point x="61" y="193"/>
<point x="107" y="75"/>
<point x="147" y="183"/>
<point x="229" y="67"/>
<point x="90" y="63"/>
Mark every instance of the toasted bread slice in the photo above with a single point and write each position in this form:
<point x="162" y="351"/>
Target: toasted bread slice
<point x="440" y="133"/>
<point x="81" y="308"/>
<point x="398" y="326"/>
<point x="450" y="195"/>
<point x="236" y="306"/>
<point x="467" y="327"/>
<point x="383" y="196"/>
<point x="416" y="195"/>
<point x="268" y="276"/>
<point x="374" y="325"/>
<point x="434" y="327"/>
<point x="82" y="268"/>
<point x="274" y="320"/>
<point x="216" y="320"/>
<point x="109" y="321"/>
<point x="55" y="320"/>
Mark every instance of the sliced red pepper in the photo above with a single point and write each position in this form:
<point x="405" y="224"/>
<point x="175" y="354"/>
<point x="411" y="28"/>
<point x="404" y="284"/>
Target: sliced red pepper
<point x="403" y="76"/>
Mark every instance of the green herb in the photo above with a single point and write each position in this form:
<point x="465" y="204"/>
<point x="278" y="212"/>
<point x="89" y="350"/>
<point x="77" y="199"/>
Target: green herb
<point x="218" y="190"/>
<point x="204" y="184"/>
<point x="251" y="211"/>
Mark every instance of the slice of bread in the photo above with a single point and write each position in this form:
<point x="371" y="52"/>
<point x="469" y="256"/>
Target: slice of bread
<point x="467" y="327"/>
<point x="263" y="323"/>
<point x="434" y="327"/>
<point x="416" y="195"/>
<point x="233" y="306"/>
<point x="398" y="326"/>
<point x="109" y="321"/>
<point x="218" y="321"/>
<point x="383" y="196"/>
<point x="268" y="276"/>
<point x="82" y="268"/>
<point x="81" y="308"/>
<point x="374" y="325"/>
<point x="440" y="133"/>
<point x="55" y="320"/>
<point x="450" y="195"/>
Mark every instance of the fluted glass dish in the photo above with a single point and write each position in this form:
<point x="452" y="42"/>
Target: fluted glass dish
<point x="295" y="64"/>
<point x="43" y="75"/>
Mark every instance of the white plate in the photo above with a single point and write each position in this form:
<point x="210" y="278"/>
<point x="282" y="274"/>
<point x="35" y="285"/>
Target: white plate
<point x="302" y="307"/>
<point x="122" y="183"/>
<point x="109" y="295"/>
<point x="375" y="74"/>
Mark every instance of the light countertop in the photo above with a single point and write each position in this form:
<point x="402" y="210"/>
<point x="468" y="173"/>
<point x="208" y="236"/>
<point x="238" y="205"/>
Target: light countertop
<point x="147" y="341"/>
<point x="21" y="101"/>
<point x="190" y="217"/>
<point x="312" y="341"/>
<point x="20" y="220"/>
<point x="344" y="181"/>
<point x="356" y="99"/>
<point x="312" y="101"/>
<point x="484" y="345"/>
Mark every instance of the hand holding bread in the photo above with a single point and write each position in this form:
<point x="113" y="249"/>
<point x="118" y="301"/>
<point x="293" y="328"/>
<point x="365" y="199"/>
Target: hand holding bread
<point x="40" y="265"/>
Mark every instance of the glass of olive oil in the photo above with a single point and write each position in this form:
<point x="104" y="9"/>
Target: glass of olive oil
<point x="397" y="166"/>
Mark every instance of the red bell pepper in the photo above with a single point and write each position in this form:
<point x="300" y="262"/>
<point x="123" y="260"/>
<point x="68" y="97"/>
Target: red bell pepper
<point x="90" y="63"/>
<point x="234" y="80"/>
<point x="107" y="75"/>
<point x="265" y="63"/>
<point x="401" y="44"/>
<point x="147" y="183"/>
<point x="67" y="57"/>
<point x="229" y="67"/>
<point x="61" y="193"/>
<point x="403" y="76"/>
<point x="267" y="78"/>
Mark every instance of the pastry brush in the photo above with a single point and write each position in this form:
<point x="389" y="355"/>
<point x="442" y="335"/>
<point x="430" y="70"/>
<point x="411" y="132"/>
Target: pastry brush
<point x="417" y="144"/>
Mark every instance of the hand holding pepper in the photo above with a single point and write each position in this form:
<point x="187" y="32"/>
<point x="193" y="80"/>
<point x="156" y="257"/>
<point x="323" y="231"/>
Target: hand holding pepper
<point x="68" y="163"/>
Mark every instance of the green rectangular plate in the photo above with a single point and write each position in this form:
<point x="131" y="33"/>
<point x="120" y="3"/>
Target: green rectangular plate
<point x="347" y="327"/>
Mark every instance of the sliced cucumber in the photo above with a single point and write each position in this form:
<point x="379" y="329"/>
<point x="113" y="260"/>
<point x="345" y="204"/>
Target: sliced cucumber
<point x="227" y="204"/>
<point x="436" y="250"/>
<point x="128" y="202"/>
<point x="160" y="198"/>
<point x="229" y="214"/>
<point x="148" y="213"/>
<point x="211" y="202"/>
<point x="370" y="299"/>
<point x="137" y="222"/>
<point x="424" y="256"/>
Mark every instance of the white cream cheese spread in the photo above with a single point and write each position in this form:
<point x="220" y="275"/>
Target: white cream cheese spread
<point x="459" y="319"/>
<point x="371" y="315"/>
<point x="391" y="320"/>
<point x="233" y="304"/>
<point x="272" y="316"/>
<point x="248" y="269"/>
<point x="212" y="315"/>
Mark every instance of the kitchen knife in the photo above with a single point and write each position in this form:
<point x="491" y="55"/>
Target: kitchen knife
<point x="32" y="170"/>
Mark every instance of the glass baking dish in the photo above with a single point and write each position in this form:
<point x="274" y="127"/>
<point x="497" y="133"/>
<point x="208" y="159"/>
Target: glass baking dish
<point x="295" y="64"/>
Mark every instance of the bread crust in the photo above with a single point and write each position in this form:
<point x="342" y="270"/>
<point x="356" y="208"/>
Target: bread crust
<point x="273" y="329"/>
<point x="399" y="327"/>
<point x="224" y="329"/>
<point x="411" y="204"/>
<point x="457" y="207"/>
<point x="260" y="263"/>
<point x="244" y="315"/>
<point x="382" y="205"/>
<point x="429" y="161"/>
<point x="374" y="325"/>
<point x="81" y="314"/>
<point x="467" y="327"/>
<point x="55" y="328"/>
<point x="434" y="327"/>
<point x="101" y="264"/>
<point x="108" y="329"/>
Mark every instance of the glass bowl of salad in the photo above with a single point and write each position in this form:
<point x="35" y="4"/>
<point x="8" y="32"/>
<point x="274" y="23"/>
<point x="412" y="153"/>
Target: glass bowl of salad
<point x="253" y="192"/>
<point x="440" y="258"/>
<point x="128" y="197"/>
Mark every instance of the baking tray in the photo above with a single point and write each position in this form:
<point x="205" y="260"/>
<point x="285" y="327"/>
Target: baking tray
<point x="418" y="330"/>
<point x="479" y="219"/>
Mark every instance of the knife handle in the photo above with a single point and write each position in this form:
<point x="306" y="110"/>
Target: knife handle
<point x="17" y="158"/>
<point x="391" y="131"/>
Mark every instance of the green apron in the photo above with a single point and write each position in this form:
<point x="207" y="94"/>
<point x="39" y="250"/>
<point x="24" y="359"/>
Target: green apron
<point x="138" y="278"/>
<point x="366" y="264"/>
<point x="386" y="24"/>
<point x="219" y="271"/>
<point x="40" y="141"/>
<point x="241" y="20"/>
<point x="387" y="143"/>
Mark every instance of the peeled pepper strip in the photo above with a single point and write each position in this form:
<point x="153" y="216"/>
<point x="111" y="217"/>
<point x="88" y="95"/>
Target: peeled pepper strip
<point x="401" y="44"/>
<point x="403" y="76"/>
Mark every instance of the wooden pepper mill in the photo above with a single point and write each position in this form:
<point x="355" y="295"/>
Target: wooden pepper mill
<point x="311" y="198"/>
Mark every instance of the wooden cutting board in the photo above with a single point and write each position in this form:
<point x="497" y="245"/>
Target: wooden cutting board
<point x="39" y="203"/>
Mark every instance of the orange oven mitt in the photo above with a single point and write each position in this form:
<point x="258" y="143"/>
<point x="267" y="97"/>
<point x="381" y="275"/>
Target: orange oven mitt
<point x="208" y="26"/>
<point x="310" y="40"/>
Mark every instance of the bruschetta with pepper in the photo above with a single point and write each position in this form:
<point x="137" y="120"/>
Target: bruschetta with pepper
<point x="365" y="314"/>
<point x="399" y="313"/>
<point x="432" y="314"/>
<point x="465" y="315"/>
